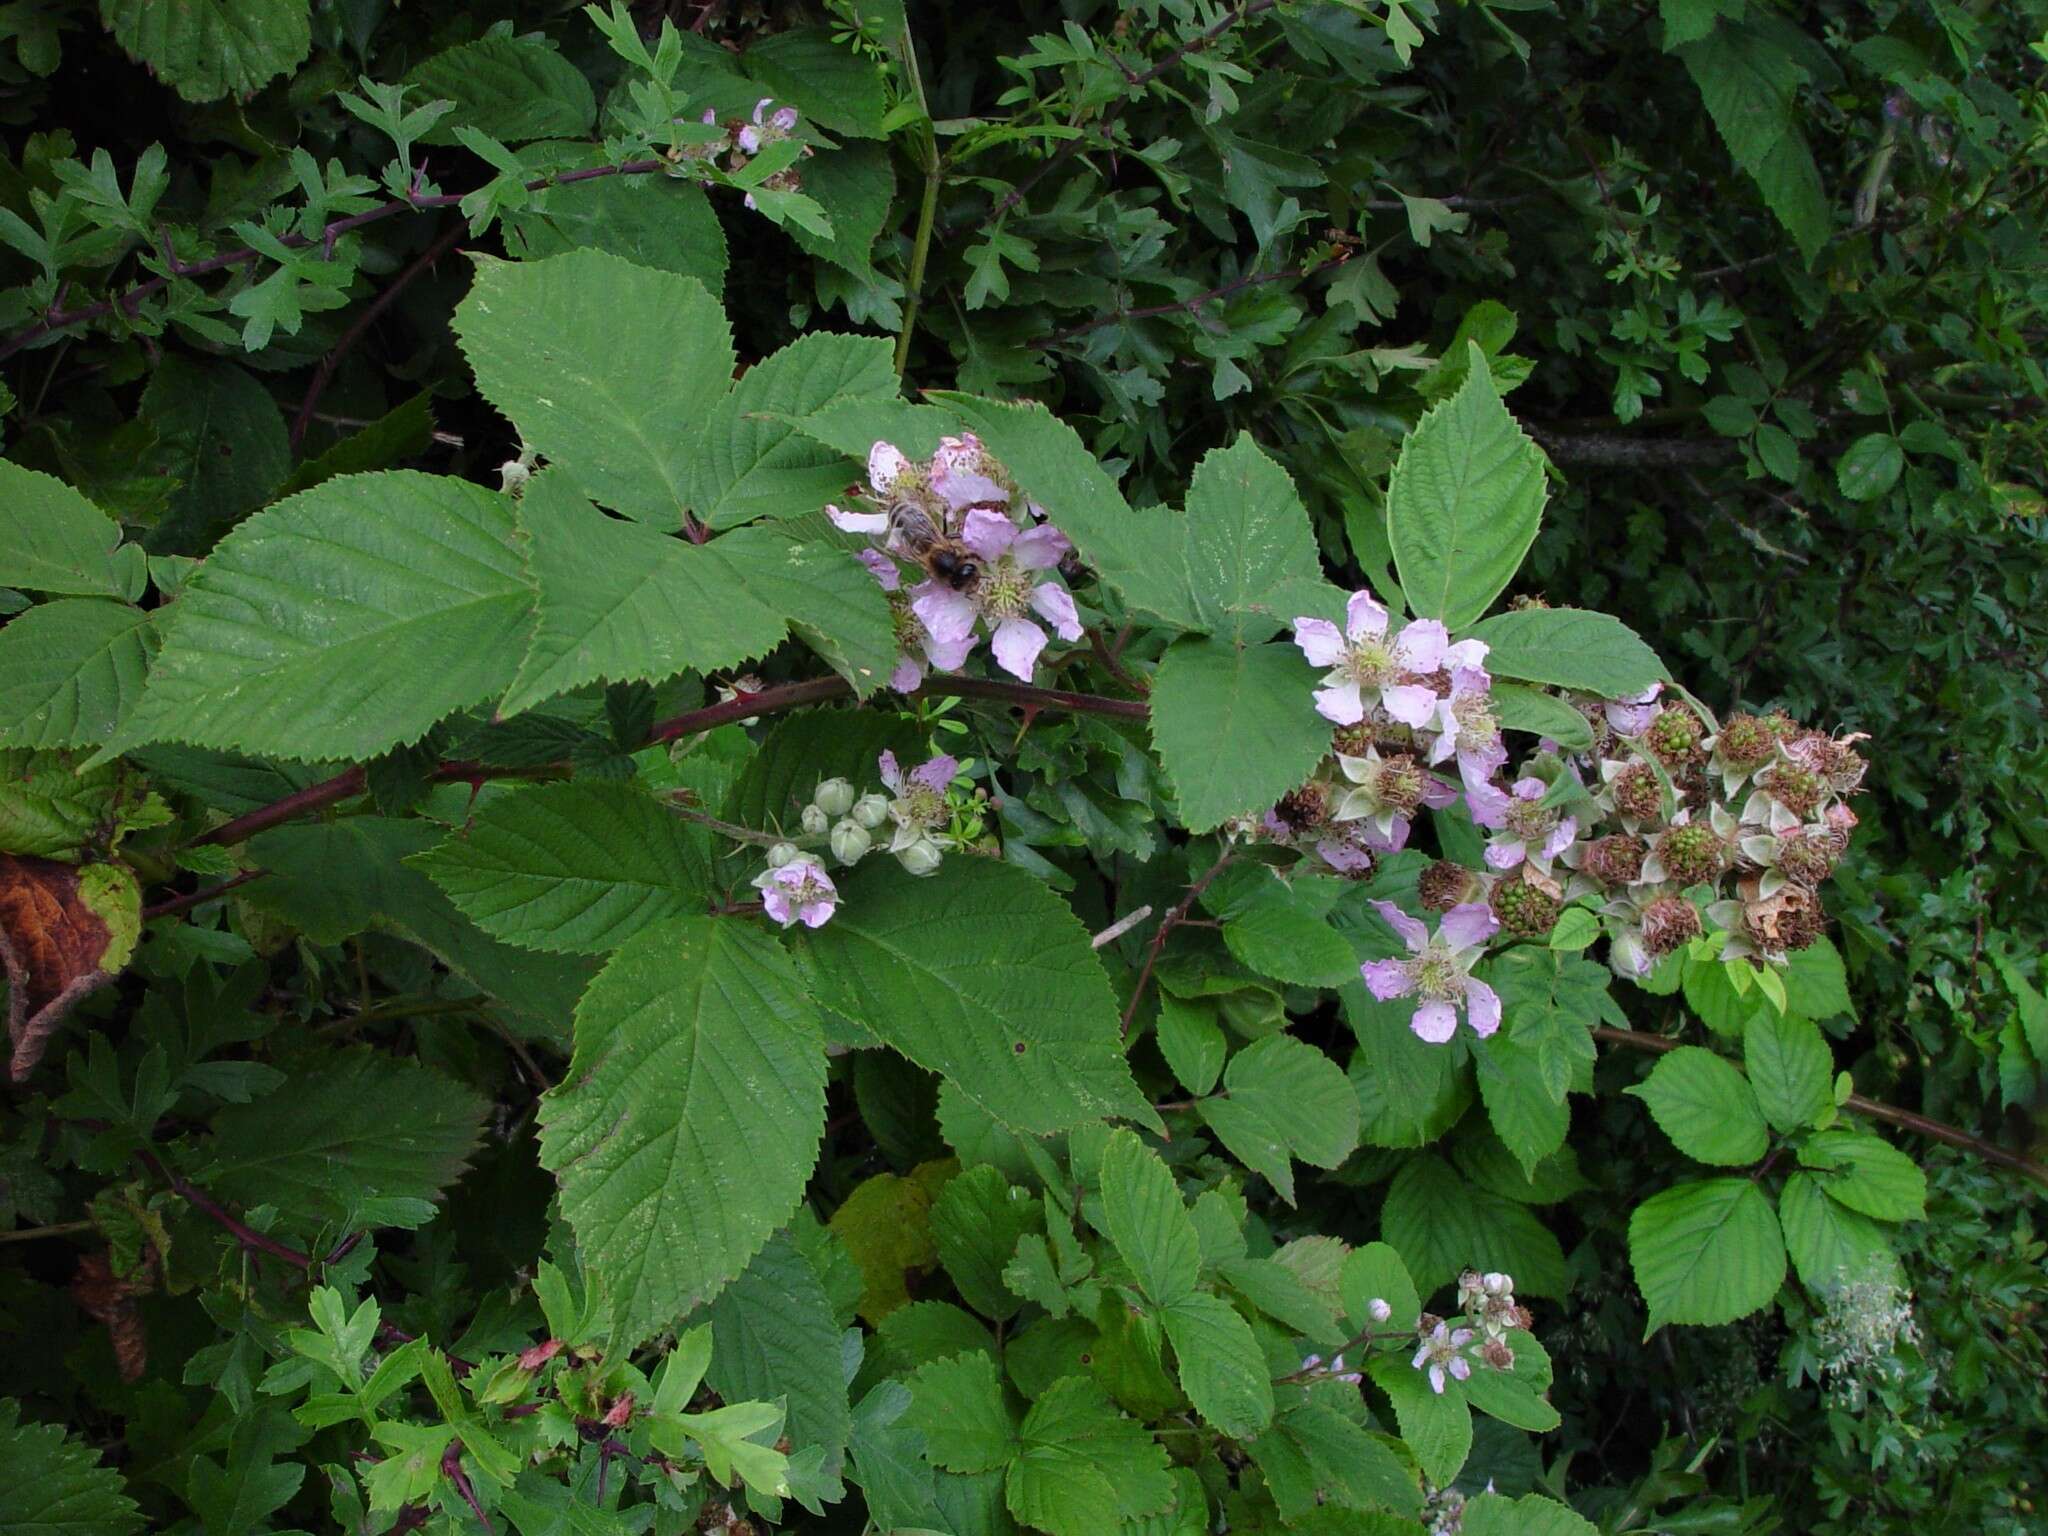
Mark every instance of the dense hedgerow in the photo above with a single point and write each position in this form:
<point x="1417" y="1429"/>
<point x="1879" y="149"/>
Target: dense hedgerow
<point x="1262" y="767"/>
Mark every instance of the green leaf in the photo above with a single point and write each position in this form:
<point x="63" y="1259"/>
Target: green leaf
<point x="1221" y="1367"/>
<point x="1375" y="1272"/>
<point x="958" y="1404"/>
<point x="1409" y="1091"/>
<point x="976" y="1222"/>
<point x="1516" y="1396"/>
<point x="1541" y="714"/>
<point x="1816" y="986"/>
<point x="49" y="806"/>
<point x="685" y="1130"/>
<point x="828" y="82"/>
<point x="1530" y="1121"/>
<point x="1569" y="648"/>
<point x="1146" y="1219"/>
<point x="1706" y="1252"/>
<point x="751" y="461"/>
<point x="1284" y="1098"/>
<point x="1870" y="466"/>
<point x="222" y="440"/>
<point x="1437" y="1426"/>
<point x="1249" y="554"/>
<point x="1791" y="1069"/>
<point x="53" y="540"/>
<point x="1531" y="1515"/>
<point x="350" y="1129"/>
<point x="578" y="867"/>
<point x="1277" y="926"/>
<point x="1191" y="1041"/>
<point x="512" y="88"/>
<point x="651" y="221"/>
<point x="1705" y="1106"/>
<point x="52" y="1485"/>
<point x="1442" y="1226"/>
<point x="1084" y="1466"/>
<point x="607" y="368"/>
<point x="1234" y="728"/>
<point x="401" y="433"/>
<point x="69" y="669"/>
<point x="980" y="973"/>
<point x="1830" y="1244"/>
<point x="1747" y="79"/>
<point x="1316" y="1455"/>
<point x="1272" y="1287"/>
<point x="773" y="1336"/>
<point x="1464" y="503"/>
<point x="344" y="621"/>
<point x="1867" y="1175"/>
<point x="207" y="49"/>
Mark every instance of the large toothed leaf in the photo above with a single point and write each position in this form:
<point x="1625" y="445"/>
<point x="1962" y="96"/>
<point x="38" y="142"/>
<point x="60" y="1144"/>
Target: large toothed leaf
<point x="578" y="867"/>
<point x="772" y="1335"/>
<point x="619" y="601"/>
<point x="1569" y="648"/>
<point x="53" y="1485"/>
<point x="343" y="621"/>
<point x="53" y="540"/>
<point x="980" y="973"/>
<point x="1235" y="727"/>
<point x="1706" y="1252"/>
<point x="1748" y="80"/>
<point x="750" y="461"/>
<point x="512" y="88"/>
<point x="1148" y="1221"/>
<point x="356" y="1135"/>
<point x="1283" y="1099"/>
<point x="1706" y="1107"/>
<point x="608" y="368"/>
<point x="69" y="669"/>
<point x="686" y="1128"/>
<point x="207" y="49"/>
<point x="1464" y="502"/>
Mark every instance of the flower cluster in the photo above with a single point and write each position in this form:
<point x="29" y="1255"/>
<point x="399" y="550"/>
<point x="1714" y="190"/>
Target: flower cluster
<point x="795" y="886"/>
<point x="1448" y="1350"/>
<point x="985" y="553"/>
<point x="1857" y="1336"/>
<point x="1334" y="1370"/>
<point x="1437" y="971"/>
<point x="745" y="138"/>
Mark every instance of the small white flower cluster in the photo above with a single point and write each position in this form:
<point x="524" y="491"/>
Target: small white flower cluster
<point x="1447" y="1352"/>
<point x="743" y="140"/>
<point x="1335" y="1370"/>
<point x="1857" y="1335"/>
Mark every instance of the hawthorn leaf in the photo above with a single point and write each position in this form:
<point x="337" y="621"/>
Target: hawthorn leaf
<point x="53" y="1485"/>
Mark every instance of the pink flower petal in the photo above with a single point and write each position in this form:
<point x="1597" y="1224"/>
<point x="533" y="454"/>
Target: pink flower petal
<point x="1436" y="794"/>
<point x="948" y="655"/>
<point x="1040" y="548"/>
<point x="1411" y="931"/>
<point x="1530" y="789"/>
<point x="908" y="676"/>
<point x="814" y="913"/>
<point x="1055" y="604"/>
<point x="1560" y="837"/>
<point x="987" y="533"/>
<point x="892" y="773"/>
<point x="1504" y="855"/>
<point x="1340" y="704"/>
<point x="1482" y="1007"/>
<point x="1017" y="643"/>
<point x="885" y="463"/>
<point x="1436" y="1023"/>
<point x="946" y="613"/>
<point x="1468" y="925"/>
<point x="1365" y="617"/>
<point x="1387" y="979"/>
<point x="1320" y="641"/>
<point x="937" y="773"/>
<point x="1489" y="807"/>
<point x="1466" y="655"/>
<point x="1421" y="645"/>
<point x="1409" y="703"/>
<point x="1345" y="858"/>
<point x="750" y="139"/>
<point x="776" y="903"/>
<point x="858" y="522"/>
<point x="882" y="568"/>
<point x="784" y="119"/>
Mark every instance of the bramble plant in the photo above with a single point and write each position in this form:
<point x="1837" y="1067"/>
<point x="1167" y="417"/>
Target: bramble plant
<point x="727" y="846"/>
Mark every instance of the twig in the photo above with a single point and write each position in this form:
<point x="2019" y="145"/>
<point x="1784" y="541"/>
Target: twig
<point x="32" y="1234"/>
<point x="1890" y="1114"/>
<point x="57" y="318"/>
<point x="1116" y="668"/>
<point x="200" y="1201"/>
<point x="1166" y="926"/>
<point x="1356" y="1341"/>
<point x="324" y="374"/>
<point x="729" y="829"/>
<point x="451" y="1468"/>
<point x="191" y="899"/>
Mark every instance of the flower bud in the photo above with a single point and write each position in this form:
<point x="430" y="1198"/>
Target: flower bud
<point x="781" y="854"/>
<point x="850" y="840"/>
<point x="921" y="857"/>
<point x="1380" y="1309"/>
<point x="814" y="821"/>
<point x="834" y="797"/>
<point x="871" y="810"/>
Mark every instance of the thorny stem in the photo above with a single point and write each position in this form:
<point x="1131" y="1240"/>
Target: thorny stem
<point x="200" y="1201"/>
<point x="920" y="249"/>
<point x="1166" y="926"/>
<point x="175" y="904"/>
<point x="57" y="318"/>
<point x="451" y="1468"/>
<point x="1890" y="1114"/>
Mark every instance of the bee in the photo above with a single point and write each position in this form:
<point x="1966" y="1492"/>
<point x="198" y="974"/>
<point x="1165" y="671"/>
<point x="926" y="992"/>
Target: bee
<point x="944" y="558"/>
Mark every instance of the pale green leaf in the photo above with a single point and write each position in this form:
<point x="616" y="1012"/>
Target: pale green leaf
<point x="1084" y="1466"/>
<point x="685" y="1130"/>
<point x="1221" y="1367"/>
<point x="1531" y="1515"/>
<point x="1315" y="1455"/>
<point x="608" y="368"/>
<point x="958" y="1404"/>
<point x="349" y="1130"/>
<point x="1541" y="714"/>
<point x="1704" y="1104"/>
<point x="1870" y="466"/>
<point x="578" y="867"/>
<point x="69" y="669"/>
<point x="1437" y="1426"/>
<point x="1569" y="648"/>
<point x="1235" y="728"/>
<point x="1282" y="1099"/>
<point x="980" y="973"/>
<point x="1816" y="986"/>
<point x="1146" y="1219"/>
<point x="1276" y="1290"/>
<point x="207" y="49"/>
<point x="1867" y="1174"/>
<point x="1464" y="503"/>
<point x="1372" y="1273"/>
<point x="1830" y="1244"/>
<point x="1791" y="1069"/>
<point x="751" y="461"/>
<point x="1706" y="1252"/>
<point x="343" y="621"/>
<point x="53" y="540"/>
<point x="1516" y="1396"/>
